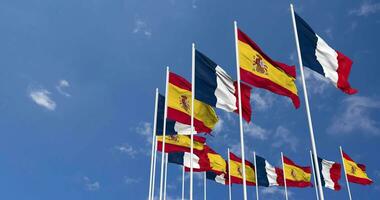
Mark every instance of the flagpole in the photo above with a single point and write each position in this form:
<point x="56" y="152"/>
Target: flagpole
<point x="192" y="118"/>
<point x="164" y="134"/>
<point x="257" y="183"/>
<point x="166" y="174"/>
<point x="154" y="166"/>
<point x="183" y="182"/>
<point x="283" y="172"/>
<point x="240" y="112"/>
<point x="345" y="173"/>
<point x="204" y="186"/>
<point x="153" y="146"/>
<point x="315" y="181"/>
<point x="313" y="145"/>
<point x="229" y="176"/>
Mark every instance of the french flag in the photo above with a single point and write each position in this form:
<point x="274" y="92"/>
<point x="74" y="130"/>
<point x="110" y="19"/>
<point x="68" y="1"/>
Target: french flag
<point x="267" y="175"/>
<point x="216" y="88"/>
<point x="321" y="58"/>
<point x="184" y="159"/>
<point x="217" y="177"/>
<point x="331" y="173"/>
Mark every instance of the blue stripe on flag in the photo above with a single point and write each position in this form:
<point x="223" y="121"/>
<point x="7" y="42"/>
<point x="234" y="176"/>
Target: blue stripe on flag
<point x="160" y="119"/>
<point x="176" y="158"/>
<point x="262" y="177"/>
<point x="320" y="170"/>
<point x="308" y="44"/>
<point x="205" y="79"/>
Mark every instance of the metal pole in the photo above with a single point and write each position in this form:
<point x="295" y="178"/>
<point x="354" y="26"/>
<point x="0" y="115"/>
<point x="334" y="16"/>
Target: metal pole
<point x="151" y="185"/>
<point x="345" y="173"/>
<point x="204" y="186"/>
<point x="164" y="134"/>
<point x="229" y="176"/>
<point x="240" y="112"/>
<point x="166" y="174"/>
<point x="183" y="182"/>
<point x="283" y="170"/>
<point x="257" y="182"/>
<point x="192" y="117"/>
<point x="313" y="145"/>
<point x="315" y="181"/>
<point x="154" y="167"/>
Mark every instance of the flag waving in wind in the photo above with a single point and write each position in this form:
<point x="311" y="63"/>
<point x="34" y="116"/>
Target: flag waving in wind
<point x="216" y="88"/>
<point x="356" y="173"/>
<point x="321" y="58"/>
<point x="296" y="176"/>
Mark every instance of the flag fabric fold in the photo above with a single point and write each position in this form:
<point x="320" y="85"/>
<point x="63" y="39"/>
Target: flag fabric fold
<point x="216" y="88"/>
<point x="200" y="162"/>
<point x="180" y="143"/>
<point x="267" y="175"/>
<point x="321" y="58"/>
<point x="236" y="171"/>
<point x="331" y="173"/>
<point x="259" y="70"/>
<point x="179" y="106"/>
<point x="219" y="178"/>
<point x="296" y="176"/>
<point x="356" y="173"/>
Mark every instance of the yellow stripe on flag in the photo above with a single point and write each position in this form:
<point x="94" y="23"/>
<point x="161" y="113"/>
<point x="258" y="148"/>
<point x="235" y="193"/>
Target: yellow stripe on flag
<point x="248" y="56"/>
<point x="296" y="174"/>
<point x="181" y="140"/>
<point x="236" y="170"/>
<point x="217" y="162"/>
<point x="354" y="170"/>
<point x="180" y="99"/>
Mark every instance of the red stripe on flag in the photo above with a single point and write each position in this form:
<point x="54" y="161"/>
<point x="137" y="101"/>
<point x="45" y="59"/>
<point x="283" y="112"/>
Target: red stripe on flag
<point x="179" y="81"/>
<point x="344" y="68"/>
<point x="362" y="181"/>
<point x="184" y="118"/>
<point x="237" y="159"/>
<point x="245" y="100"/>
<point x="335" y="174"/>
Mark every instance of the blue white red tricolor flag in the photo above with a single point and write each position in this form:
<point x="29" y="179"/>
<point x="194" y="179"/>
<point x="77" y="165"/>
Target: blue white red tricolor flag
<point x="331" y="173"/>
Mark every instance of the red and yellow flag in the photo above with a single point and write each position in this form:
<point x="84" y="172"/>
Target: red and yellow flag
<point x="180" y="143"/>
<point x="236" y="171"/>
<point x="259" y="70"/>
<point x="356" y="173"/>
<point x="296" y="176"/>
<point x="179" y="106"/>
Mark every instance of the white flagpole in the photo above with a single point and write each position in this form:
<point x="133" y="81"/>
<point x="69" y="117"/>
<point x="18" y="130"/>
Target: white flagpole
<point x="164" y="134"/>
<point x="204" y="186"/>
<point x="229" y="176"/>
<point x="313" y="145"/>
<point x="166" y="174"/>
<point x="283" y="170"/>
<point x="257" y="183"/>
<point x="345" y="174"/>
<point x="315" y="181"/>
<point x="240" y="112"/>
<point x="154" y="167"/>
<point x="183" y="182"/>
<point x="151" y="184"/>
<point x="192" y="117"/>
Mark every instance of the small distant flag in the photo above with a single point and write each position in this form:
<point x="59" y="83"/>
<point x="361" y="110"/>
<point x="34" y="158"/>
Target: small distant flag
<point x="356" y="173"/>
<point x="216" y="88"/>
<point x="215" y="160"/>
<point x="296" y="176"/>
<point x="267" y="175"/>
<point x="219" y="178"/>
<point x="180" y="143"/>
<point x="179" y="106"/>
<point x="331" y="173"/>
<point x="236" y="171"/>
<point x="200" y="162"/>
<point x="259" y="70"/>
<point x="321" y="58"/>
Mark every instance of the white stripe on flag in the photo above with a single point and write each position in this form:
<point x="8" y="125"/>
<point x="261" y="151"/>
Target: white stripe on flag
<point x="271" y="174"/>
<point x="328" y="58"/>
<point x="326" y="167"/>
<point x="186" y="160"/>
<point x="225" y="91"/>
<point x="220" y="179"/>
<point x="183" y="129"/>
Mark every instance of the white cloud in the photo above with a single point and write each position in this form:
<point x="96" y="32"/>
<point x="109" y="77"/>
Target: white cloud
<point x="62" y="84"/>
<point x="255" y="131"/>
<point x="316" y="83"/>
<point x="194" y="4"/>
<point x="283" y="137"/>
<point x="329" y="33"/>
<point x="129" y="180"/>
<point x="366" y="8"/>
<point x="142" y="28"/>
<point x="127" y="149"/>
<point x="41" y="97"/>
<point x="219" y="126"/>
<point x="356" y="115"/>
<point x="145" y="129"/>
<point x="91" y="185"/>
<point x="274" y="191"/>
<point x="262" y="100"/>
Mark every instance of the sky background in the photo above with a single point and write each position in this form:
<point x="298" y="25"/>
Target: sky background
<point x="77" y="82"/>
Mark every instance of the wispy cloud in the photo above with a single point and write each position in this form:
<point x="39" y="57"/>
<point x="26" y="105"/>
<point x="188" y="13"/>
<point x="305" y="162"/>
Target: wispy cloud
<point x="366" y="8"/>
<point x="91" y="185"/>
<point x="219" y="126"/>
<point x="316" y="83"/>
<point x="275" y="191"/>
<point x="355" y="114"/>
<point x="62" y="85"/>
<point x="283" y="137"/>
<point x="141" y="27"/>
<point x="130" y="180"/>
<point x="127" y="149"/>
<point x="256" y="131"/>
<point x="329" y="32"/>
<point x="145" y="129"/>
<point x="194" y="4"/>
<point x="42" y="98"/>
<point x="262" y="100"/>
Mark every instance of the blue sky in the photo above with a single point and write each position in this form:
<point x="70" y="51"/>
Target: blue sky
<point x="77" y="88"/>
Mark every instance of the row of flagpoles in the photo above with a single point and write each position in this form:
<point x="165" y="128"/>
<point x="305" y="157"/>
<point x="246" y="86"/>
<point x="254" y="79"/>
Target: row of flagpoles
<point x="262" y="65"/>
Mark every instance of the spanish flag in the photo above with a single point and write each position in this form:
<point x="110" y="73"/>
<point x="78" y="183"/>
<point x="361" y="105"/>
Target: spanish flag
<point x="216" y="162"/>
<point x="236" y="171"/>
<point x="179" y="106"/>
<point x="296" y="176"/>
<point x="259" y="70"/>
<point x="180" y="143"/>
<point x="356" y="173"/>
